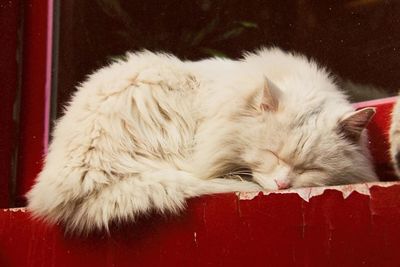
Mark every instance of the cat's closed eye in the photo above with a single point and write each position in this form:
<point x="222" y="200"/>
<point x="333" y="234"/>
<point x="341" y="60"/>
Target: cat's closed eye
<point x="280" y="159"/>
<point x="301" y="168"/>
<point x="310" y="177"/>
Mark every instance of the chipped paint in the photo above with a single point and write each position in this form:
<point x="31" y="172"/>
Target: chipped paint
<point x="16" y="209"/>
<point x="310" y="192"/>
<point x="328" y="231"/>
<point x="195" y="238"/>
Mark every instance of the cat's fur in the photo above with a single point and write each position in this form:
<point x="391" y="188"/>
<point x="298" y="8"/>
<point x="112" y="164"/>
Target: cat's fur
<point x="146" y="133"/>
<point x="394" y="137"/>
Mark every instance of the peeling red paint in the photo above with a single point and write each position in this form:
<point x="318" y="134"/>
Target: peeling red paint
<point x="310" y="192"/>
<point x="274" y="229"/>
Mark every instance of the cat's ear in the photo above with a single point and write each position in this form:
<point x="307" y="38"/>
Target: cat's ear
<point x="354" y="123"/>
<point x="269" y="100"/>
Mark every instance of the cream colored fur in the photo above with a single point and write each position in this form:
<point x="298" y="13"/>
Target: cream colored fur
<point x="147" y="133"/>
<point x="394" y="136"/>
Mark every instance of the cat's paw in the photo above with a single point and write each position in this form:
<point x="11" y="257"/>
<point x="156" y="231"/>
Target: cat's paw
<point x="279" y="180"/>
<point x="228" y="185"/>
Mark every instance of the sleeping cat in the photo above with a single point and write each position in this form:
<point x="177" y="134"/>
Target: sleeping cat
<point x="146" y="133"/>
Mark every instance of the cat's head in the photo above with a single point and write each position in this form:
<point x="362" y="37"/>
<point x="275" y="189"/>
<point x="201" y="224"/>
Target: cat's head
<point x="308" y="143"/>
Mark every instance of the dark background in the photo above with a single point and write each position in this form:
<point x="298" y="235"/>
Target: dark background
<point x="358" y="40"/>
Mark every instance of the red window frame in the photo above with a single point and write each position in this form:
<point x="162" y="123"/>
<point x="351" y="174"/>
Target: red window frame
<point x="9" y="14"/>
<point x="27" y="28"/>
<point x="35" y="97"/>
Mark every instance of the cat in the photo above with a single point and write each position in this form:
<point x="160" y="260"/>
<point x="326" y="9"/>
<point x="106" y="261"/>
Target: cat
<point x="146" y="133"/>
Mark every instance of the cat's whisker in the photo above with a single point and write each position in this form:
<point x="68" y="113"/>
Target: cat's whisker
<point x="238" y="173"/>
<point x="241" y="174"/>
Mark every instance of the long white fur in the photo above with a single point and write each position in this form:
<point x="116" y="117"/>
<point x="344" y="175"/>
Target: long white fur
<point x="394" y="137"/>
<point x="149" y="132"/>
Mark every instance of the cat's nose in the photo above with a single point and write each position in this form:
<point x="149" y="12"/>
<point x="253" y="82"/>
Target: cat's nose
<point x="282" y="184"/>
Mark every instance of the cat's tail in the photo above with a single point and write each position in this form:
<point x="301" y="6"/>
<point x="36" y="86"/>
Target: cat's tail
<point x="159" y="191"/>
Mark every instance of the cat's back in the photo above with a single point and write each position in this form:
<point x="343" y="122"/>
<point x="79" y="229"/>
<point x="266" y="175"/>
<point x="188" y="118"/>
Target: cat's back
<point x="136" y="67"/>
<point x="278" y="64"/>
<point x="305" y="84"/>
<point x="145" y="94"/>
<point x="136" y="76"/>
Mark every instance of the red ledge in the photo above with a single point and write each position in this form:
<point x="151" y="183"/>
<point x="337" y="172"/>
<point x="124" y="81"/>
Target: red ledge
<point x="332" y="226"/>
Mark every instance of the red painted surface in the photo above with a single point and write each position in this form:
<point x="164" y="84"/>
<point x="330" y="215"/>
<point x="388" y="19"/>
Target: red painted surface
<point x="9" y="26"/>
<point x="33" y="117"/>
<point x="330" y="229"/>
<point x="379" y="136"/>
<point x="221" y="230"/>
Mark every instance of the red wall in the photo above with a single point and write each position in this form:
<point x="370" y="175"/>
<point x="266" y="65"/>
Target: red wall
<point x="9" y="26"/>
<point x="24" y="78"/>
<point x="33" y="117"/>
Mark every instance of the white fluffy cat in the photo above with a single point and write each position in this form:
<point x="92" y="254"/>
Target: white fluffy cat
<point x="146" y="133"/>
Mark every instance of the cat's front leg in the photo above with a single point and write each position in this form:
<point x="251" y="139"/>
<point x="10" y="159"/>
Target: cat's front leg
<point x="221" y="185"/>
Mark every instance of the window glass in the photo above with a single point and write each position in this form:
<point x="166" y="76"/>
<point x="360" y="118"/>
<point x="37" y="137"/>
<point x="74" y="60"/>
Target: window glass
<point x="358" y="40"/>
